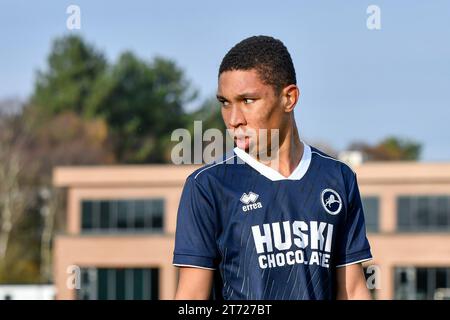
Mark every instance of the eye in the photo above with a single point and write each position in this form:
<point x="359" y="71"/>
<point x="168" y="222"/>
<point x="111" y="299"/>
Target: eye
<point x="248" y="100"/>
<point x="224" y="102"/>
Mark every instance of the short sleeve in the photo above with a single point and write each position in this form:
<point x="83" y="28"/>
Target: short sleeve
<point x="353" y="246"/>
<point x="195" y="240"/>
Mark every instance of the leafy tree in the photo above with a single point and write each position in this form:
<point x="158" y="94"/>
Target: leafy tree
<point x="390" y="149"/>
<point x="209" y="113"/>
<point x="142" y="103"/>
<point x="73" y="67"/>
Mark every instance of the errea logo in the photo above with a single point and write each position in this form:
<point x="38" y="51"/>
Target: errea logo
<point x="249" y="201"/>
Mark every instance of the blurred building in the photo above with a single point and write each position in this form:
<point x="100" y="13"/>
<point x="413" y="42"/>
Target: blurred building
<point x="352" y="157"/>
<point x="121" y="223"/>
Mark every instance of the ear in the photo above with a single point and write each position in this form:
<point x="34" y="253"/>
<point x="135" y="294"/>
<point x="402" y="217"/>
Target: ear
<point x="290" y="95"/>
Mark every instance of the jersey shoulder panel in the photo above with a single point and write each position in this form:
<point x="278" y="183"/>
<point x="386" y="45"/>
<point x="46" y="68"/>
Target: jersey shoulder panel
<point x="215" y="169"/>
<point x="331" y="161"/>
<point x="334" y="166"/>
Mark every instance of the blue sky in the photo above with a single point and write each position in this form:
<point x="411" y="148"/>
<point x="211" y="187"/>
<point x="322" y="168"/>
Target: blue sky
<point x="356" y="84"/>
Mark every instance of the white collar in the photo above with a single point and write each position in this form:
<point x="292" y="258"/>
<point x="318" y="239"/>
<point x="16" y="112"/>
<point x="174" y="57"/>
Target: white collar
<point x="272" y="174"/>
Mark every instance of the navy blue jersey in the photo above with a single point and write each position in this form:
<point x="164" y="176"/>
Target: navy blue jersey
<point x="270" y="236"/>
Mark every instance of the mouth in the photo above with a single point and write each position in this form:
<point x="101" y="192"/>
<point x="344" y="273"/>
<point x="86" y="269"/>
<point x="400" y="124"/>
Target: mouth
<point x="242" y="142"/>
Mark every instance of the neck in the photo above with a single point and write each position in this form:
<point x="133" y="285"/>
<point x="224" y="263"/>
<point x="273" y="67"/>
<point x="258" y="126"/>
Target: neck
<point x="290" y="151"/>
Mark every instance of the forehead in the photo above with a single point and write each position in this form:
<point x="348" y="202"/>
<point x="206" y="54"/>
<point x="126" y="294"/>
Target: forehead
<point x="239" y="81"/>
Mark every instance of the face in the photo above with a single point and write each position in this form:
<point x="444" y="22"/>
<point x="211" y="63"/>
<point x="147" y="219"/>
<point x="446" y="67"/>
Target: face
<point x="248" y="105"/>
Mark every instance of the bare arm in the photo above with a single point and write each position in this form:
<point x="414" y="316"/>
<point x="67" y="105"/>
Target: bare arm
<point x="194" y="284"/>
<point x="351" y="283"/>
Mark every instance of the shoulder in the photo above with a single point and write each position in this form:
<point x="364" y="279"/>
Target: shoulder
<point x="217" y="168"/>
<point x="330" y="162"/>
<point x="333" y="166"/>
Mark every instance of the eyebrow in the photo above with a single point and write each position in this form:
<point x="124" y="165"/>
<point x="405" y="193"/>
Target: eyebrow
<point x="219" y="97"/>
<point x="239" y="96"/>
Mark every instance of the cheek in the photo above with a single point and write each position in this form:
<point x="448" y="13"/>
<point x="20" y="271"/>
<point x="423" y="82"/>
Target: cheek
<point x="225" y="116"/>
<point x="264" y="116"/>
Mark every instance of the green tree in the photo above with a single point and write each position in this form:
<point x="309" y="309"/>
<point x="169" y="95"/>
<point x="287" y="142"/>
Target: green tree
<point x="142" y="103"/>
<point x="400" y="149"/>
<point x="390" y="149"/>
<point x="73" y="67"/>
<point x="209" y="113"/>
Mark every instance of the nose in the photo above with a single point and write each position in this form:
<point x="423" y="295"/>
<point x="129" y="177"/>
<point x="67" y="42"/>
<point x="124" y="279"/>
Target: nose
<point x="236" y="117"/>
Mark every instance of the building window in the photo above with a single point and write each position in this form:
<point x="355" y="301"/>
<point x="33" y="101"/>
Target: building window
<point x="122" y="215"/>
<point x="118" y="284"/>
<point x="423" y="213"/>
<point x="371" y="212"/>
<point x="413" y="283"/>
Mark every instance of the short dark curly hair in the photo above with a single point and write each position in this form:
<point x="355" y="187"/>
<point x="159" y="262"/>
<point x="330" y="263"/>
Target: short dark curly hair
<point x="267" y="55"/>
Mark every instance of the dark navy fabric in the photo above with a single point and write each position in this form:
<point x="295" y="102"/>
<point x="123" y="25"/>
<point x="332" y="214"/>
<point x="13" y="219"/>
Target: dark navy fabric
<point x="269" y="239"/>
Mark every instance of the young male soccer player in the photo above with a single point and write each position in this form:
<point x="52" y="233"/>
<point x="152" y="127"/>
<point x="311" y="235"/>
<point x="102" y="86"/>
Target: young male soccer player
<point x="293" y="233"/>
